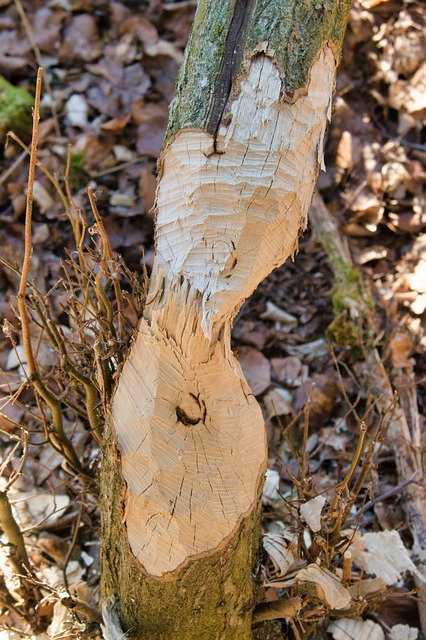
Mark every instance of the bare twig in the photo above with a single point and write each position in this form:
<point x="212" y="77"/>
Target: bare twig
<point x="279" y="609"/>
<point x="107" y="256"/>
<point x="76" y="527"/>
<point x="14" y="535"/>
<point x="347" y="568"/>
<point x="80" y="607"/>
<point x="58" y="434"/>
<point x="17" y="472"/>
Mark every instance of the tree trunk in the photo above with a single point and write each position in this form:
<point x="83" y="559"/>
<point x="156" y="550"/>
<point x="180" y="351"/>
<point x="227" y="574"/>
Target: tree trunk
<point x="185" y="448"/>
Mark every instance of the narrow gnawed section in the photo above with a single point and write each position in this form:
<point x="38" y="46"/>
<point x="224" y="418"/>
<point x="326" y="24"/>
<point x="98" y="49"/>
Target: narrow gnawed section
<point x="226" y="219"/>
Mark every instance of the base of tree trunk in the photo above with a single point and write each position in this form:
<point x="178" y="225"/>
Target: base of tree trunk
<point x="185" y="448"/>
<point x="206" y="600"/>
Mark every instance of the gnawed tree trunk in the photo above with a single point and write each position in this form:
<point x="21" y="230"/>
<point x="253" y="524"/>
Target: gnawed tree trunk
<point x="185" y="449"/>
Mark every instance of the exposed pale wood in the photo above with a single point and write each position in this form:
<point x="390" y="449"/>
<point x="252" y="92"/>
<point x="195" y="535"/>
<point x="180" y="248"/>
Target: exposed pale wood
<point x="190" y="433"/>
<point x="226" y="219"/>
<point x="184" y="446"/>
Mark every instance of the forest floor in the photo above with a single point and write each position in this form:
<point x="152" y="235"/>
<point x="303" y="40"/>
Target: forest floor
<point x="109" y="73"/>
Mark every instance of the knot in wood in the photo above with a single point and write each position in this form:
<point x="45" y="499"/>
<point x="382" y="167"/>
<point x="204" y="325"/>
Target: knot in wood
<point x="191" y="410"/>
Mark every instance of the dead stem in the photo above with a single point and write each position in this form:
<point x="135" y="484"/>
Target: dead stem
<point x="384" y="496"/>
<point x="347" y="568"/>
<point x="17" y="472"/>
<point x="76" y="526"/>
<point x="279" y="609"/>
<point x="106" y="256"/>
<point x="357" y="455"/>
<point x="14" y="535"/>
<point x="58" y="433"/>
<point x="50" y="176"/>
<point x="82" y="608"/>
<point x="26" y="335"/>
<point x="91" y="395"/>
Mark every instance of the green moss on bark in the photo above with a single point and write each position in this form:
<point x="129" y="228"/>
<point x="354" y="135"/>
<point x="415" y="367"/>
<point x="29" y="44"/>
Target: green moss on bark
<point x="201" y="66"/>
<point x="298" y="34"/>
<point x="15" y="109"/>
<point x="294" y="30"/>
<point x="351" y="303"/>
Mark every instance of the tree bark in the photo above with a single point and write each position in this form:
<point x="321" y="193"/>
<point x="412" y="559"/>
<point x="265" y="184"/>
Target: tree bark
<point x="185" y="450"/>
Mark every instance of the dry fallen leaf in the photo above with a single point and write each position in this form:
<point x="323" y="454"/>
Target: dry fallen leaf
<point x="256" y="368"/>
<point x="35" y="507"/>
<point x="280" y="552"/>
<point x="54" y="546"/>
<point x="42" y="197"/>
<point x="370" y="253"/>
<point x="319" y="394"/>
<point x="81" y="41"/>
<point x="119" y="89"/>
<point x="408" y="221"/>
<point x="311" y="512"/>
<point x="419" y="304"/>
<point x="277" y="402"/>
<point x="252" y="333"/>
<point x="348" y="152"/>
<point x="355" y="629"/>
<point x="287" y="370"/>
<point x="366" y="587"/>
<point x="10" y="413"/>
<point x="152" y="121"/>
<point x="401" y="347"/>
<point x="54" y="575"/>
<point x="271" y="486"/>
<point x="111" y="627"/>
<point x="417" y="280"/>
<point x="77" y="110"/>
<point x="309" y="351"/>
<point x="329" y="589"/>
<point x="62" y="624"/>
<point x="403" y="632"/>
<point x="116" y="125"/>
<point x="383" y="554"/>
<point x="410" y="95"/>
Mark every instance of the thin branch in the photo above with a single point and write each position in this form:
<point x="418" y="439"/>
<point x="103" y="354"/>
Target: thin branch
<point x="71" y="547"/>
<point x="14" y="535"/>
<point x="58" y="434"/>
